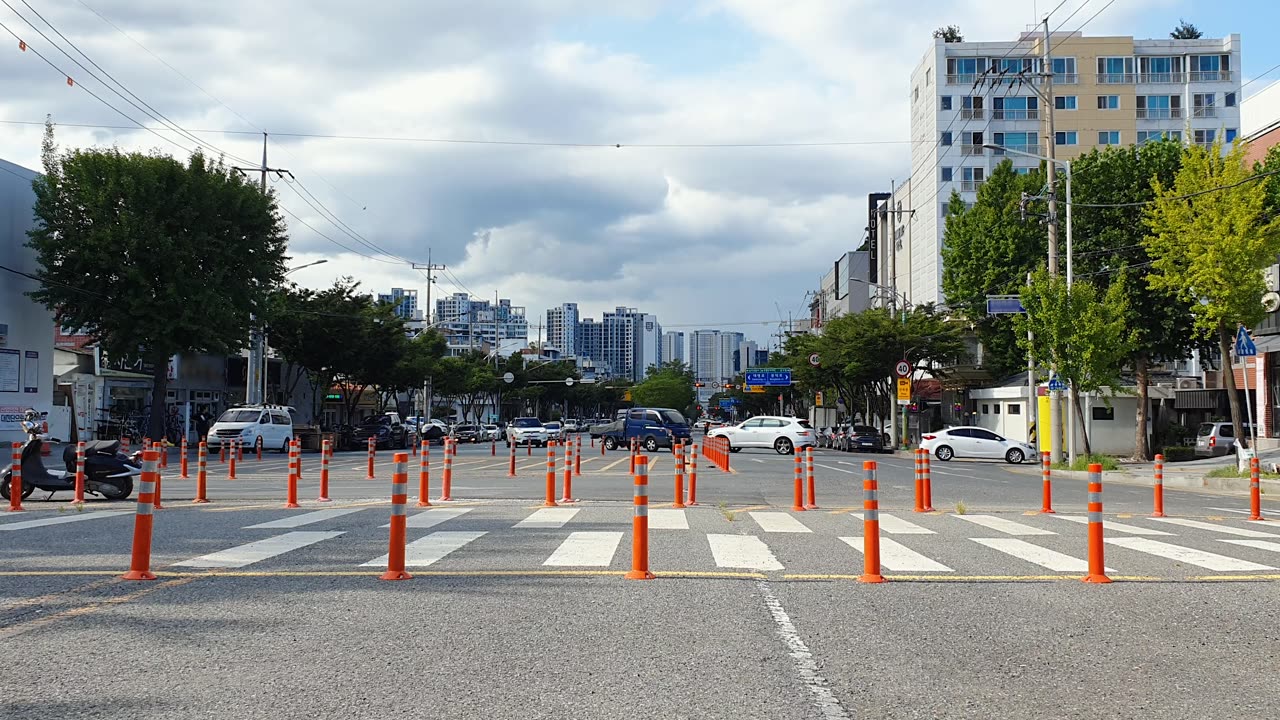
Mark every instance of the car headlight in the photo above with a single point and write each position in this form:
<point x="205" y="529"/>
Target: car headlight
<point x="247" y="431"/>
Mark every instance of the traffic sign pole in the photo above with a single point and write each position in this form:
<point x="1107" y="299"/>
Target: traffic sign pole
<point x="1245" y="349"/>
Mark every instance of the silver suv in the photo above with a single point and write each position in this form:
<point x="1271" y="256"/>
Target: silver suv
<point x="1217" y="438"/>
<point x="526" y="431"/>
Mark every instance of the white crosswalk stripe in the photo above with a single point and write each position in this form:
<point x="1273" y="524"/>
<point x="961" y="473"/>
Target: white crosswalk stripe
<point x="548" y="518"/>
<point x="1044" y="557"/>
<point x="293" y="521"/>
<point x="747" y="552"/>
<point x="668" y="519"/>
<point x="1191" y="556"/>
<point x="433" y="517"/>
<point x="895" y="525"/>
<point x="258" y="550"/>
<point x="776" y="522"/>
<point x="430" y="549"/>
<point x="1006" y="526"/>
<point x="60" y="519"/>
<point x="899" y="558"/>
<point x="1259" y="544"/>
<point x="1108" y="525"/>
<point x="586" y="549"/>
<point x="1225" y="529"/>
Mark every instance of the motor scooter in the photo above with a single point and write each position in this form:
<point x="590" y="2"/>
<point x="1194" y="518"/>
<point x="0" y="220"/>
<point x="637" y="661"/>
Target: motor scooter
<point x="108" y="472"/>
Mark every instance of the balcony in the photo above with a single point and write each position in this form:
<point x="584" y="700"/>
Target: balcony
<point x="962" y="79"/>
<point x="1066" y="79"/>
<point x="970" y="185"/>
<point x="1204" y="112"/>
<point x="971" y="113"/>
<point x="1162" y="78"/>
<point x="971" y="150"/>
<point x="1159" y="113"/>
<point x="1029" y="149"/>
<point x="1211" y="76"/>
<point x="1015" y="114"/>
<point x="1116" y="78"/>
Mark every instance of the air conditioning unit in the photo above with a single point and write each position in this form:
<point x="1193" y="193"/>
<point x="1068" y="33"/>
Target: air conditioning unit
<point x="1164" y="385"/>
<point x="1189" y="383"/>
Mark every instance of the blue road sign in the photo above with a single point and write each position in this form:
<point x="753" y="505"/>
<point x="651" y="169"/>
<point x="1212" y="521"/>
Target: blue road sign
<point x="768" y="377"/>
<point x="727" y="404"/>
<point x="1244" y="344"/>
<point x="1056" y="384"/>
<point x="1004" y="305"/>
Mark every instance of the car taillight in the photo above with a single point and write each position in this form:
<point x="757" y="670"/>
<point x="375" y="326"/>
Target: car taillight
<point x="802" y="434"/>
<point x="1213" y="442"/>
<point x="929" y="437"/>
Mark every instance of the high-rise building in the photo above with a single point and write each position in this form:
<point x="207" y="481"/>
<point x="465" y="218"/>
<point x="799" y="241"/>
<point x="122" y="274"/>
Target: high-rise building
<point x="966" y="96"/>
<point x="470" y="324"/>
<point x="631" y="342"/>
<point x="728" y="349"/>
<point x="672" y="346"/>
<point x="405" y="302"/>
<point x="562" y="328"/>
<point x="590" y="346"/>
<point x="715" y="356"/>
<point x="747" y="352"/>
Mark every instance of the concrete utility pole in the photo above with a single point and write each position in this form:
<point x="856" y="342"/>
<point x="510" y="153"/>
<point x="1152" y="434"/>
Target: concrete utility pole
<point x="430" y="268"/>
<point x="255" y="376"/>
<point x="893" y="289"/>
<point x="1046" y="73"/>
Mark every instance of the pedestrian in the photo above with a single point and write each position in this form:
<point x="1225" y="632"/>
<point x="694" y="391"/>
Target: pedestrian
<point x="202" y="424"/>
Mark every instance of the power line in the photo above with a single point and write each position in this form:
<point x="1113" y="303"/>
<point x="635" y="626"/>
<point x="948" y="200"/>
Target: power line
<point x="310" y="199"/>
<point x="335" y="242"/>
<point x="54" y="283"/>
<point x="1188" y="196"/>
<point x="1264" y="74"/>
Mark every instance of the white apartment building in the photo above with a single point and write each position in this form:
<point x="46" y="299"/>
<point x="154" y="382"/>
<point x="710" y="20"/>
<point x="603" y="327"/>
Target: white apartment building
<point x="562" y="328"/>
<point x="470" y="324"/>
<point x="405" y="302"/>
<point x="747" y="352"/>
<point x="672" y="346"/>
<point x="1105" y="91"/>
<point x="713" y="355"/>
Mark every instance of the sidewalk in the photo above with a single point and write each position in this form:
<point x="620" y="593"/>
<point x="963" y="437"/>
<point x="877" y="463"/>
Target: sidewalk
<point x="1191" y="474"/>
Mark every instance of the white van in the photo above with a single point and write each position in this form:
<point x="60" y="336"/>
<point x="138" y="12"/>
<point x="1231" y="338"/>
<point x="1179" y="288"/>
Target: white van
<point x="269" y="427"/>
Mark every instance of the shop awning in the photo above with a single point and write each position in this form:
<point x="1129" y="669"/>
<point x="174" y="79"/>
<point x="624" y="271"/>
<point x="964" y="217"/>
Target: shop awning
<point x="1198" y="399"/>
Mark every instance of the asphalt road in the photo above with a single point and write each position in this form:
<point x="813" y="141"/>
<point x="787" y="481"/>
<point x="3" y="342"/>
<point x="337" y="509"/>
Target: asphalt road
<point x="264" y="612"/>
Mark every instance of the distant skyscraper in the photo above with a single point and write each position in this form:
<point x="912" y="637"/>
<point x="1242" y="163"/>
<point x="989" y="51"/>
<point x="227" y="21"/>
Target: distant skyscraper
<point x="747" y="350"/>
<point x="672" y="346"/>
<point x="728" y="350"/>
<point x="562" y="328"/>
<point x="405" y="302"/>
<point x="470" y="324"/>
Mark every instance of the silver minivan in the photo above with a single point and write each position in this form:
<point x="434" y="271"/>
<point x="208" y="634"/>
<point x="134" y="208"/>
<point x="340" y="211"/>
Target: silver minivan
<point x="1214" y="439"/>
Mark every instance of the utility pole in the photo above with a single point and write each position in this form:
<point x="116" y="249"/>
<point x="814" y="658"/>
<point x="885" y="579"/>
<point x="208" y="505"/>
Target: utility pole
<point x="1046" y="73"/>
<point x="893" y="290"/>
<point x="430" y="268"/>
<point x="255" y="375"/>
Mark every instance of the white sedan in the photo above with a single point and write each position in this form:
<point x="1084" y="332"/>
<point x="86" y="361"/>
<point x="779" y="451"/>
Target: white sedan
<point x="975" y="442"/>
<point x="783" y="434"/>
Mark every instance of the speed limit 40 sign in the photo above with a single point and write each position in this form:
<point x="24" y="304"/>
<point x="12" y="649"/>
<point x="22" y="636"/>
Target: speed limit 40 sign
<point x="903" y="368"/>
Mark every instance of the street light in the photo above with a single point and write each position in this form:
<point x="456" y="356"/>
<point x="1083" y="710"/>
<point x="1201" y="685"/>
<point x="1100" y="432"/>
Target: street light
<point x="321" y="261"/>
<point x="1066" y="164"/>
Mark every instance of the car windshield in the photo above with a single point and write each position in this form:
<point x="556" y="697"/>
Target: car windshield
<point x="552" y="426"/>
<point x="804" y="423"/>
<point x="383" y="420"/>
<point x="526" y="423"/>
<point x="239" y="416"/>
<point x="1206" y="429"/>
<point x="672" y="417"/>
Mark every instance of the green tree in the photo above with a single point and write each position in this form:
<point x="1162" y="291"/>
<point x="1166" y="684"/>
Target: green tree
<point x="949" y="33"/>
<point x="1210" y="237"/>
<point x="1185" y="31"/>
<point x="667" y="386"/>
<point x="153" y="257"/>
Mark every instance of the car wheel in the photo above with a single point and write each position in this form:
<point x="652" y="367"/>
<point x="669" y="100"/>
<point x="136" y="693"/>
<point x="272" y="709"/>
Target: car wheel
<point x="610" y="444"/>
<point x="943" y="453"/>
<point x="783" y="446"/>
<point x="651" y="444"/>
<point x="284" y="447"/>
<point x="1014" y="456"/>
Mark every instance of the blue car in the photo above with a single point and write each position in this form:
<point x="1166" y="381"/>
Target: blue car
<point x="651" y="428"/>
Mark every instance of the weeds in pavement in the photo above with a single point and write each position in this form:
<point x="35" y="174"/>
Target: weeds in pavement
<point x="1229" y="471"/>
<point x="726" y="512"/>
<point x="79" y="507"/>
<point x="1083" y="461"/>
<point x="960" y="507"/>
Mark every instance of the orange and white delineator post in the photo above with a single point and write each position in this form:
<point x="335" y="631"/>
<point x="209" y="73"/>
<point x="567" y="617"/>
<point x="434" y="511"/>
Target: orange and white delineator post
<point x="182" y="460"/>
<point x="326" y="450"/>
<point x="163" y="447"/>
<point x="870" y="525"/>
<point x="446" y="475"/>
<point x="568" y="473"/>
<point x="124" y="444"/>
<point x="291" y="496"/>
<point x="577" y="457"/>
<point x="159" y="481"/>
<point x="258" y="449"/>
<point x="811" y="502"/>
<point x="919" y="452"/>
<point x="677" y="453"/>
<point x="640" y="523"/>
<point x="797" y="502"/>
<point x="928" y="485"/>
<point x="1097" y="564"/>
<point x="632" y="468"/>
<point x="372" y="448"/>
<point x="550" y="500"/>
<point x="493" y="447"/>
<point x="222" y="451"/>
<point x="148" y="498"/>
<point x="424" y="474"/>
<point x="1158" y="500"/>
<point x="1255" y="489"/>
<point x="399" y="518"/>
<point x="15" y="478"/>
<point x="231" y="466"/>
<point x="79" y="496"/>
<point x="1046" y="472"/>
<point x="202" y="462"/>
<point x="511" y="462"/>
<point x="239" y="449"/>
<point x="693" y="478"/>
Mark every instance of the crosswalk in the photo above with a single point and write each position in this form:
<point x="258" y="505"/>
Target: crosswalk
<point x="513" y="538"/>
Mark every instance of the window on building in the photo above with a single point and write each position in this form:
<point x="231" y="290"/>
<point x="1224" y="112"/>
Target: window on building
<point x="972" y="173"/>
<point x="1065" y="137"/>
<point x="1158" y="107"/>
<point x="1202" y="105"/>
<point x="1022" y="171"/>
<point x="1015" y="108"/>
<point x="963" y="70"/>
<point x="1230" y="135"/>
<point x="1160" y="69"/>
<point x="986" y="409"/>
<point x="1064" y="102"/>
<point x="944" y="102"/>
<point x="1108" y="137"/>
<point x="1115" y="70"/>
<point x="1015" y="408"/>
<point x="1229" y="100"/>
<point x="1108" y="102"/>
<point x="946" y="174"/>
<point x="1203" y="137"/>
<point x="946" y="139"/>
<point x="915" y="95"/>
<point x="1210" y="68"/>
<point x="1103" y="412"/>
<point x="928" y="76"/>
<point x="995" y="409"/>
<point x="1064" y="69"/>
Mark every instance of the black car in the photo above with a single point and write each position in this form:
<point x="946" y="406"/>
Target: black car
<point x="467" y="433"/>
<point x="387" y="430"/>
<point x="864" y="438"/>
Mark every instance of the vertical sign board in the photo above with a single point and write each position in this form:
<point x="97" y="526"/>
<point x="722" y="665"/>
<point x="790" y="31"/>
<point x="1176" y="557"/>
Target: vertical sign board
<point x="904" y="391"/>
<point x="31" y="372"/>
<point x="10" y="364"/>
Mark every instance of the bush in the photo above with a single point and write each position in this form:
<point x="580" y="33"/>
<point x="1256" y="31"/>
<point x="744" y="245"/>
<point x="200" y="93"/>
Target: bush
<point x="1178" y="453"/>
<point x="1083" y="461"/>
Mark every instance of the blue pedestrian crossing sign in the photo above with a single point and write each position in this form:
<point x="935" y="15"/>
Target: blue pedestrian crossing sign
<point x="1056" y="384"/>
<point x="1244" y="344"/>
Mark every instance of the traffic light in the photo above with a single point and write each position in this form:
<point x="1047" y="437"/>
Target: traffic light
<point x="728" y="386"/>
<point x="698" y="384"/>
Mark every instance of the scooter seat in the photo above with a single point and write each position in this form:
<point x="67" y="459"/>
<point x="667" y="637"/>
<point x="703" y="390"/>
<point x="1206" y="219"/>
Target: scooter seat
<point x="93" y="447"/>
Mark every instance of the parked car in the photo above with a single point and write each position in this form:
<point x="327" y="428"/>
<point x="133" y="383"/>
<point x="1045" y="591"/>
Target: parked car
<point x="864" y="438"/>
<point x="975" y="442"/>
<point x="467" y="433"/>
<point x="268" y="427"/>
<point x="555" y="431"/>
<point x="387" y="430"/>
<point x="571" y="426"/>
<point x="674" y="428"/>
<point x="432" y="433"/>
<point x="648" y="434"/>
<point x="491" y="432"/>
<point x="783" y="434"/>
<point x="1214" y="439"/>
<point x="526" y="431"/>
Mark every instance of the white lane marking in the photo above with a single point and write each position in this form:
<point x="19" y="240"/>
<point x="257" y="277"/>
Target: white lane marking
<point x="1109" y="525"/>
<point x="755" y="460"/>
<point x="1230" y="510"/>
<point x="851" y="472"/>
<point x="999" y="524"/>
<point x="548" y="518"/>
<point x="668" y="519"/>
<point x="258" y="550"/>
<point x="586" y="549"/>
<point x="801" y="658"/>
<point x="898" y="557"/>
<point x="1199" y="558"/>
<point x="778" y="522"/>
<point x="895" y="525"/>
<point x="26" y="524"/>
<point x="433" y="517"/>
<point x="1044" y="557"/>
<point x="1224" y="529"/>
<point x="294" y="521"/>
<point x="1259" y="544"/>
<point x="742" y="551"/>
<point x="427" y="550"/>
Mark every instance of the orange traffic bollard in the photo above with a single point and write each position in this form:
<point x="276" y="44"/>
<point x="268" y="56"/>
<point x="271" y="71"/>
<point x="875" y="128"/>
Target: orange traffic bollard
<point x="222" y="450"/>
<point x="239" y="449"/>
<point x="424" y="475"/>
<point x="928" y="485"/>
<point x="812" y="502"/>
<point x="511" y="463"/>
<point x="159" y="481"/>
<point x="677" y="452"/>
<point x="640" y="523"/>
<point x="163" y="447"/>
<point x="182" y="461"/>
<point x="79" y="496"/>
<point x="372" y="448"/>
<point x="797" y="503"/>
<point x="446" y="477"/>
<point x="568" y="473"/>
<point x="577" y="457"/>
<point x="632" y="468"/>
<point x="602" y="447"/>
<point x="693" y="478"/>
<point x="1255" y="490"/>
<point x="1158" y="510"/>
<point x="1097" y="565"/>
<point x="326" y="450"/>
<point x="148" y="498"/>
<point x="258" y="449"/>
<point x="1046" y="506"/>
<point x="399" y="518"/>
<point x="231" y="466"/>
<point x="551" y="475"/>
<point x="493" y="447"/>
<point x="919" y="480"/>
<point x="202" y="460"/>
<point x="528" y="448"/>
<point x="291" y="491"/>
<point x="15" y="478"/>
<point x="870" y="524"/>
<point x="124" y="444"/>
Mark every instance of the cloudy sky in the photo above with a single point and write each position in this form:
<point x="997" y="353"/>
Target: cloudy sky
<point x="538" y="204"/>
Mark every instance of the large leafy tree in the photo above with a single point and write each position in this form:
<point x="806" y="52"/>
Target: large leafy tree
<point x="670" y="386"/>
<point x="154" y="257"/>
<point x="1210" y="238"/>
